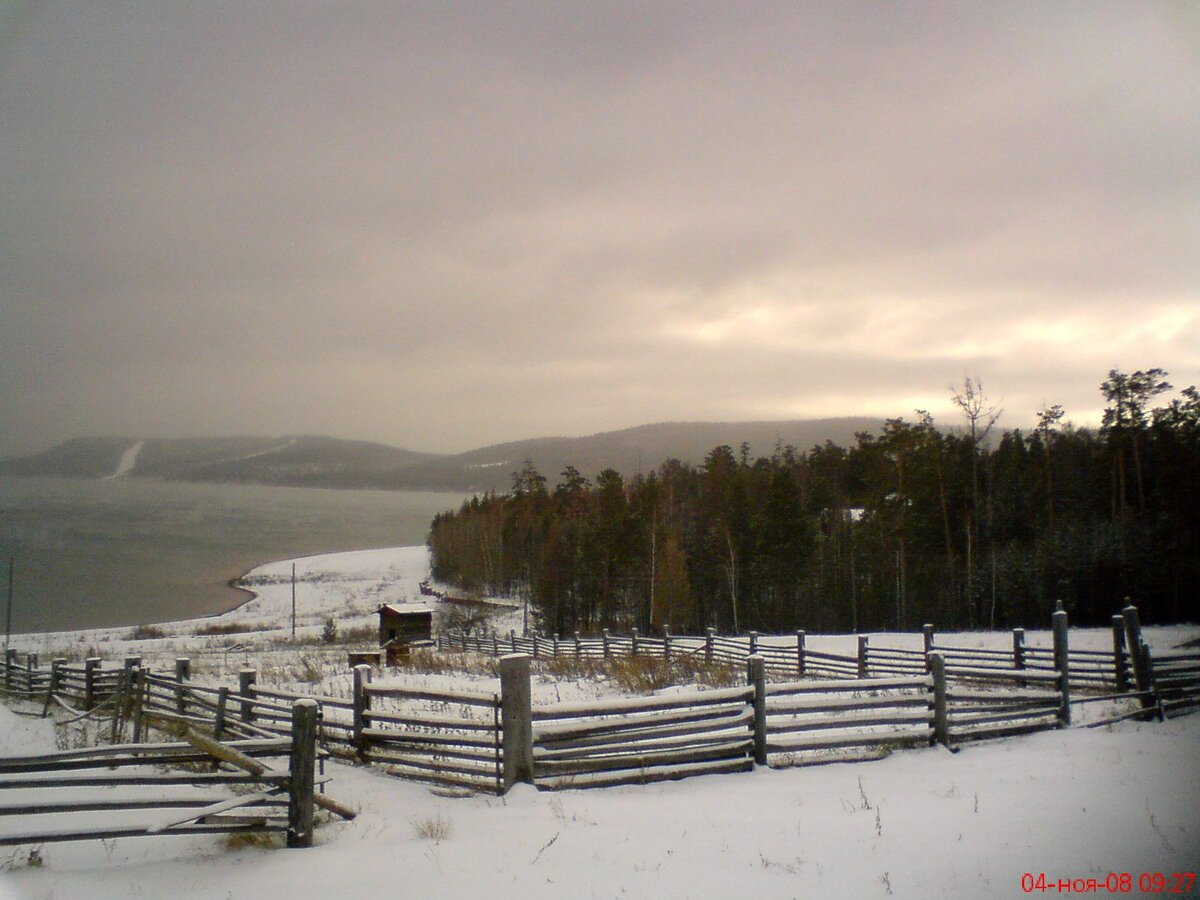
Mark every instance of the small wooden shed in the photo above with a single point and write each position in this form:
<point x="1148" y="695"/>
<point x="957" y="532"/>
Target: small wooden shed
<point x="403" y="624"/>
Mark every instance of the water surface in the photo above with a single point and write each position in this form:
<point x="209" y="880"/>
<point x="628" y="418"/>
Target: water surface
<point x="93" y="553"/>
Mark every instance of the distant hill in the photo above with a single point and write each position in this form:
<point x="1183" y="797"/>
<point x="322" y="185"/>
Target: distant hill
<point x="309" y="461"/>
<point x="298" y="461"/>
<point x="632" y="450"/>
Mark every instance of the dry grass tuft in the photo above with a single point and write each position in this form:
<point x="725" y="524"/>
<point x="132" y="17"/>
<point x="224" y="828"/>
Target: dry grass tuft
<point x="434" y="829"/>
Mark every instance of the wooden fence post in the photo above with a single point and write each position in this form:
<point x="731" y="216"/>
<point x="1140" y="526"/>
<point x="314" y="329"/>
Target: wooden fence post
<point x="753" y="646"/>
<point x="219" y="719"/>
<point x="535" y="645"/>
<point x="862" y="656"/>
<point x="512" y="639"/>
<point x="578" y="650"/>
<point x="928" y="636"/>
<point x="554" y="646"/>
<point x="10" y="660"/>
<point x="1018" y="652"/>
<point x="1141" y="672"/>
<point x="709" y="635"/>
<point x="495" y="644"/>
<point x="1063" y="664"/>
<point x="89" y="681"/>
<point x="52" y="688"/>
<point x="1120" y="673"/>
<point x="941" y="717"/>
<point x="1148" y="664"/>
<point x="634" y="643"/>
<point x="183" y="671"/>
<point x="302" y="780"/>
<point x="666" y="643"/>
<point x="517" y="711"/>
<point x="757" y="679"/>
<point x="801" y="662"/>
<point x="607" y="649"/>
<point x="246" y="680"/>
<point x="362" y="706"/>
<point x="139" y="705"/>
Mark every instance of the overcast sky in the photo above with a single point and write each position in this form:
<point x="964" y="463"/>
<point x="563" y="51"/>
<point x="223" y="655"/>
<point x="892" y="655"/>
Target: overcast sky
<point x="445" y="225"/>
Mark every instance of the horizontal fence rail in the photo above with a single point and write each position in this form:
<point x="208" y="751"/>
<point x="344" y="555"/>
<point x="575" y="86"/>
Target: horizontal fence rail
<point x="641" y="740"/>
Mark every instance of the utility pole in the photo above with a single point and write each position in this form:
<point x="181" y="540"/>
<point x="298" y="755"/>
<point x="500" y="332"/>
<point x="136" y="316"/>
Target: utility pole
<point x="293" y="601"/>
<point x="12" y="562"/>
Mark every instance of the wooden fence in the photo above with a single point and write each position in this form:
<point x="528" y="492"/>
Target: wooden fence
<point x="827" y="706"/>
<point x="54" y="788"/>
<point x="789" y="656"/>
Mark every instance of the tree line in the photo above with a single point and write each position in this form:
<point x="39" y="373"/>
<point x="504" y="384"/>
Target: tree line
<point x="913" y="524"/>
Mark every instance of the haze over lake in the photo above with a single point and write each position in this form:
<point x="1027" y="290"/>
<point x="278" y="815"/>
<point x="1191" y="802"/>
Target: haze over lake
<point x="92" y="553"/>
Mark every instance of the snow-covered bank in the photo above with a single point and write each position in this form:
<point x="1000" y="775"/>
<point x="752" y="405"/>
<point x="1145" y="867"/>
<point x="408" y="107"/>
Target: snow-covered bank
<point x="348" y="587"/>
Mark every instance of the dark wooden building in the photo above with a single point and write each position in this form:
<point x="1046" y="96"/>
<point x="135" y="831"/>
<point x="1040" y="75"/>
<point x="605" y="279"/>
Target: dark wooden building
<point x="403" y="625"/>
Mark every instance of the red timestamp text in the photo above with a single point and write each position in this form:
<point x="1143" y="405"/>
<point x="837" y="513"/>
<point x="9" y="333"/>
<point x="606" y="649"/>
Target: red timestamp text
<point x="1113" y="883"/>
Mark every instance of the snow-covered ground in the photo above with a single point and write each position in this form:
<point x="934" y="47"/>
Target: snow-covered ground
<point x="1072" y="804"/>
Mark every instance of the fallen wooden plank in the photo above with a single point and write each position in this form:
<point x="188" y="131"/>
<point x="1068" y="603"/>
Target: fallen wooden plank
<point x="212" y="809"/>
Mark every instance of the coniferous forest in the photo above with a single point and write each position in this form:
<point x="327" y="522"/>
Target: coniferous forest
<point x="967" y="527"/>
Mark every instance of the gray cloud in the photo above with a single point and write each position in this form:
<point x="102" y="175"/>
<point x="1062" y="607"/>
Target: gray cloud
<point x="444" y="225"/>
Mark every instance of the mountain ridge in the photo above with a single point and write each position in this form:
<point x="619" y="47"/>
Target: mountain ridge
<point x="317" y="461"/>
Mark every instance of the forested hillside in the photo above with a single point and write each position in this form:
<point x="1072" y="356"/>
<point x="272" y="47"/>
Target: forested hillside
<point x="913" y="524"/>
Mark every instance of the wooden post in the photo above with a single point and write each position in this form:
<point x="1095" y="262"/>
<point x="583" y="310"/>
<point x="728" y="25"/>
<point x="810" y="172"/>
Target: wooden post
<point x="517" y="711"/>
<point x="757" y="679"/>
<point x="927" y="634"/>
<point x="118" y="703"/>
<point x="1018" y="652"/>
<point x="607" y="649"/>
<point x="139" y="705"/>
<point x="578" y="649"/>
<point x="753" y="643"/>
<point x="52" y="688"/>
<point x="1063" y="665"/>
<point x="10" y="661"/>
<point x="666" y="643"/>
<point x="709" y="635"/>
<point x="183" y="671"/>
<point x="1156" y="697"/>
<point x="554" y="646"/>
<point x="801" y="662"/>
<point x="1141" y="673"/>
<point x="862" y="656"/>
<point x="941" y="717"/>
<point x="512" y="639"/>
<point x="362" y="706"/>
<point x="300" y="785"/>
<point x="634" y="643"/>
<point x="222" y="704"/>
<point x="1120" y="672"/>
<point x="535" y="645"/>
<point x="246" y="680"/>
<point x="89" y="681"/>
<point x="495" y="644"/>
